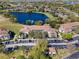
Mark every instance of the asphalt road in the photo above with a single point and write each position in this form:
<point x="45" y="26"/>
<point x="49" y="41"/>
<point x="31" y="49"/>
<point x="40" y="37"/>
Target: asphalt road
<point x="55" y="43"/>
<point x="73" y="56"/>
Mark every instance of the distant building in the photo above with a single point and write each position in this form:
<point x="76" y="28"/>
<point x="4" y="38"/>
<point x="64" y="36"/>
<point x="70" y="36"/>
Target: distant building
<point x="33" y="0"/>
<point x="52" y="51"/>
<point x="51" y="32"/>
<point x="68" y="27"/>
<point x="4" y="34"/>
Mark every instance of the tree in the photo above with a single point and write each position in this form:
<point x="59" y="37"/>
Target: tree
<point x="7" y="15"/>
<point x="37" y="52"/>
<point x="67" y="36"/>
<point x="40" y="34"/>
<point x="53" y="23"/>
<point x="13" y="19"/>
<point x="1" y="47"/>
<point x="73" y="18"/>
<point x="20" y="57"/>
<point x="42" y="56"/>
<point x="38" y="23"/>
<point x="28" y="22"/>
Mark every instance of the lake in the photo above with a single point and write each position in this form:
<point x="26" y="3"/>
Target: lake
<point x="23" y="17"/>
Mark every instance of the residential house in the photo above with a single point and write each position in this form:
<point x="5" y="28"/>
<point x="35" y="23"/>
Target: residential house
<point x="51" y="32"/>
<point x="4" y="34"/>
<point x="68" y="27"/>
<point x="52" y="51"/>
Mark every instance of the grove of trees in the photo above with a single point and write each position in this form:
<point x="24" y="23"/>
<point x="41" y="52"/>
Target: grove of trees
<point x="38" y="34"/>
<point x="37" y="52"/>
<point x="67" y="36"/>
<point x="20" y="57"/>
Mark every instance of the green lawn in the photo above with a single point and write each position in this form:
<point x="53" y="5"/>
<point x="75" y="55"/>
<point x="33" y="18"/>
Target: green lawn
<point x="16" y="53"/>
<point x="49" y="15"/>
<point x="4" y="56"/>
<point x="11" y="26"/>
<point x="13" y="54"/>
<point x="61" y="53"/>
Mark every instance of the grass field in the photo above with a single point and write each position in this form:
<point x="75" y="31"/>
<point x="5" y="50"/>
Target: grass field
<point x="13" y="54"/>
<point x="49" y="15"/>
<point x="11" y="26"/>
<point x="15" y="27"/>
<point x="4" y="56"/>
<point x="61" y="54"/>
<point x="5" y="23"/>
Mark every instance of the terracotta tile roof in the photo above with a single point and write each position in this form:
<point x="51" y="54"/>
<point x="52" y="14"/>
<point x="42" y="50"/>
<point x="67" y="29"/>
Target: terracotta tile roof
<point x="52" y="50"/>
<point x="68" y="26"/>
<point x="3" y="32"/>
<point x="28" y="28"/>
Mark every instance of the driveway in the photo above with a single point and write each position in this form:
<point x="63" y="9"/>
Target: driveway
<point x="73" y="56"/>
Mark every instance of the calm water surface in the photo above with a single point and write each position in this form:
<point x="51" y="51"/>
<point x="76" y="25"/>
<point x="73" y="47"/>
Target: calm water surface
<point x="22" y="17"/>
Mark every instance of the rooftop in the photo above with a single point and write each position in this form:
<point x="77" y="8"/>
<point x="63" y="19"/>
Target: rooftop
<point x="67" y="27"/>
<point x="28" y="28"/>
